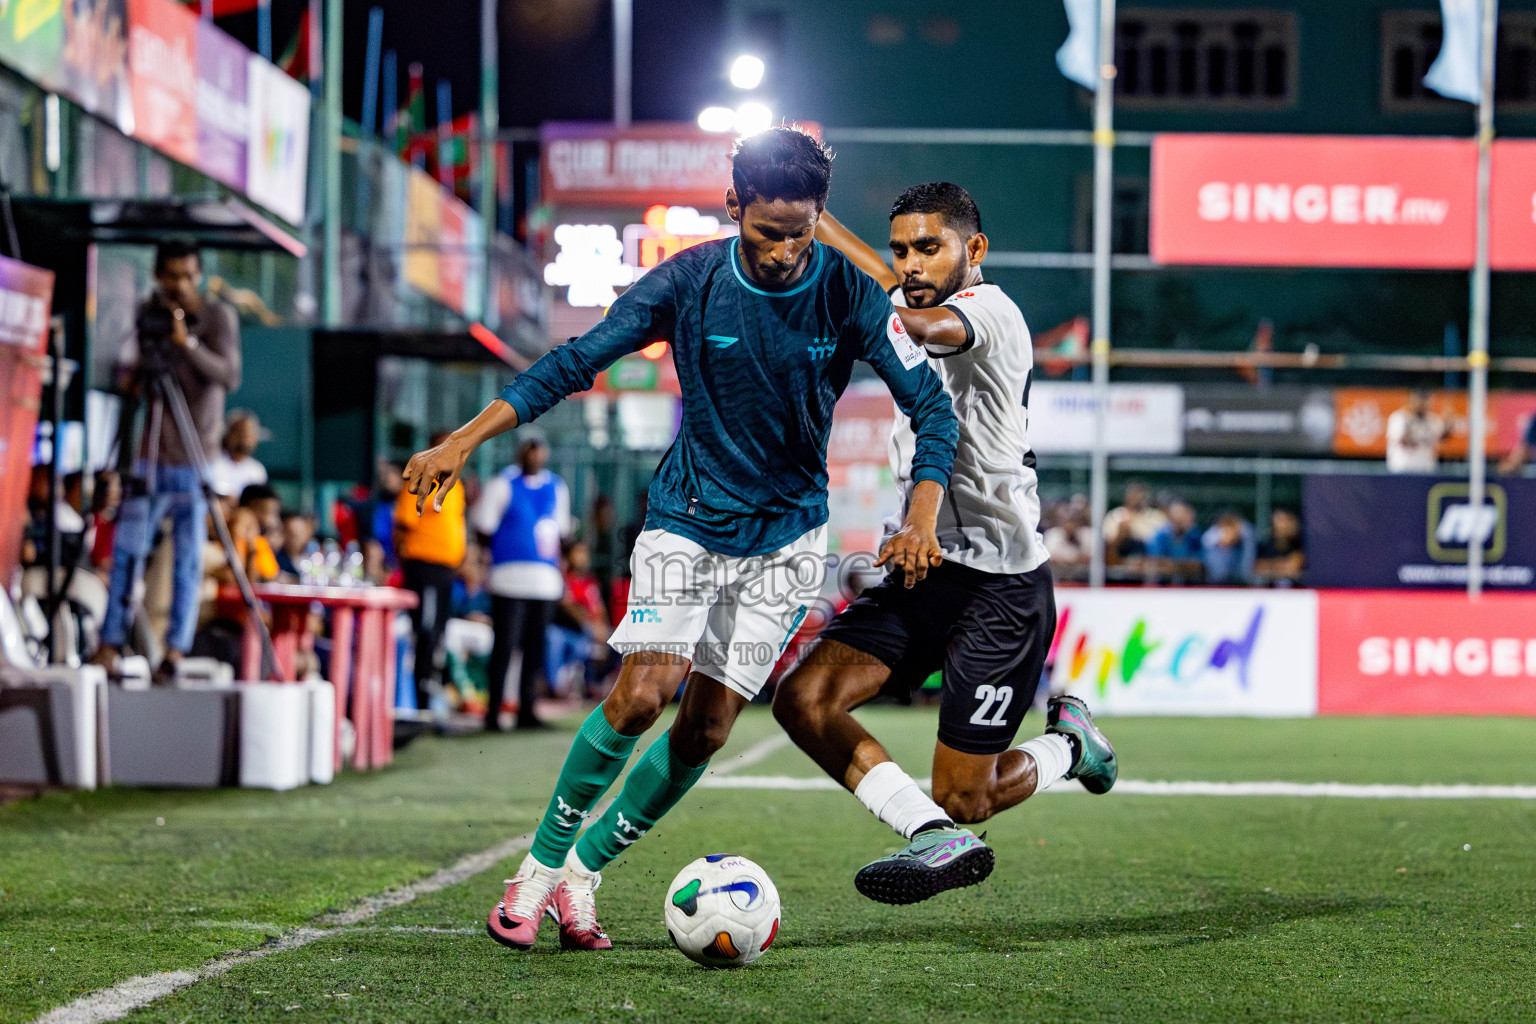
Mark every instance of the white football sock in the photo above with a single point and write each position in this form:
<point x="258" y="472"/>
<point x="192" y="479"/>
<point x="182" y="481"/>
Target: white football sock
<point x="1053" y="758"/>
<point x="892" y="796"/>
<point x="576" y="871"/>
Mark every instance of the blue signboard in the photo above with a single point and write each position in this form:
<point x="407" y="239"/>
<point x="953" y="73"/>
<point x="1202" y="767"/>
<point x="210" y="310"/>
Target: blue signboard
<point x="1416" y="531"/>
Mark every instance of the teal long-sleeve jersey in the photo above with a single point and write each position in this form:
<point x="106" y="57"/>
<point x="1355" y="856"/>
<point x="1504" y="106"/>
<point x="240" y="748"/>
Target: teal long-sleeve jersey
<point x="760" y="373"/>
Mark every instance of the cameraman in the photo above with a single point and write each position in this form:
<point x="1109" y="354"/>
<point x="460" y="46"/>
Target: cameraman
<point x="195" y="339"/>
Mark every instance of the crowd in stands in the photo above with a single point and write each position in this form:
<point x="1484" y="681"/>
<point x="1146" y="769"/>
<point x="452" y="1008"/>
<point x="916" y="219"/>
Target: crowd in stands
<point x="507" y="559"/>
<point x="541" y="581"/>
<point x="1160" y="540"/>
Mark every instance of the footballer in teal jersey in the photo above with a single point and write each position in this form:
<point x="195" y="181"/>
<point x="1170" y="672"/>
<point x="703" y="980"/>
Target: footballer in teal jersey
<point x="764" y="330"/>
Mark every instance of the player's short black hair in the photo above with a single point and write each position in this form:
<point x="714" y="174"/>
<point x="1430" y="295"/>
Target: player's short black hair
<point x="781" y="163"/>
<point x="945" y="198"/>
<point x="175" y="249"/>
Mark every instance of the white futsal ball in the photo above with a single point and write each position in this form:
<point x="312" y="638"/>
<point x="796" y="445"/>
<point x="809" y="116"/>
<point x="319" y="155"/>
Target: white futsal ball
<point x="722" y="911"/>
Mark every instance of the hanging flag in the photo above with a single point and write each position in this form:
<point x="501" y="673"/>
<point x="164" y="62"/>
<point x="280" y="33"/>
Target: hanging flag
<point x="224" y="8"/>
<point x="1455" y="73"/>
<point x="1078" y="57"/>
<point x="413" y="118"/>
<point x="295" y="59"/>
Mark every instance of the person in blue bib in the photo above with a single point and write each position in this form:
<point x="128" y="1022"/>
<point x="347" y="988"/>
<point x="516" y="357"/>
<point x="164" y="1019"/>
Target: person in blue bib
<point x="764" y="330"/>
<point x="522" y="516"/>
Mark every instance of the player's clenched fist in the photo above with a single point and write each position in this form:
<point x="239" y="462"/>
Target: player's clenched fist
<point x="436" y="469"/>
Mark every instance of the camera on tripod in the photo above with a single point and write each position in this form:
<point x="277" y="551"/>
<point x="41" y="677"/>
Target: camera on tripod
<point x="155" y="325"/>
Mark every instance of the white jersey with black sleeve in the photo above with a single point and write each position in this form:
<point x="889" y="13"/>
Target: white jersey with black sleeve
<point x="991" y="513"/>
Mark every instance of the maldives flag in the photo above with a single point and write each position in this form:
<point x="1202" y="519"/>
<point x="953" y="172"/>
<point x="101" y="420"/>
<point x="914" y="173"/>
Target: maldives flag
<point x="296" y="58"/>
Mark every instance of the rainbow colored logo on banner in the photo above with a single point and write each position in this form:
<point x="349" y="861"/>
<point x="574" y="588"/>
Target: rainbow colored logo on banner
<point x="1180" y="659"/>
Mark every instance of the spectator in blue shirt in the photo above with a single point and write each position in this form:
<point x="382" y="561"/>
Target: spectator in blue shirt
<point x="1230" y="550"/>
<point x="1178" y="538"/>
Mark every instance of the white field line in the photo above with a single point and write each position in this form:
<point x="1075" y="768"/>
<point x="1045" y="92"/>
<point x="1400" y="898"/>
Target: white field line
<point x="755" y="754"/>
<point x="123" y="998"/>
<point x="268" y="926"/>
<point x="1138" y="787"/>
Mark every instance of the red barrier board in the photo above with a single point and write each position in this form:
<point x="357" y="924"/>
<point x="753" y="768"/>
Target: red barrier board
<point x="1314" y="201"/>
<point x="26" y="293"/>
<point x="1385" y="653"/>
<point x="1512" y="205"/>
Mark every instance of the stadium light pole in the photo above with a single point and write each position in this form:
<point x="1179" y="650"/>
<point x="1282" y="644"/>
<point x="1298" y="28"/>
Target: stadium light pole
<point x="330" y="253"/>
<point x="1477" y="353"/>
<point x="623" y="61"/>
<point x="490" y="122"/>
<point x="1103" y="180"/>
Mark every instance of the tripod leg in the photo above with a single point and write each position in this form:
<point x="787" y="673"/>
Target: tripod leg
<point x="192" y="444"/>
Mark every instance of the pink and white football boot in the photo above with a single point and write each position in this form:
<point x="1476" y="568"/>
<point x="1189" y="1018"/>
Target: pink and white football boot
<point x="575" y="908"/>
<point x="530" y="895"/>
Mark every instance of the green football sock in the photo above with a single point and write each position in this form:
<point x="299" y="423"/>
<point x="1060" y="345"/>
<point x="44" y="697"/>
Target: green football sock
<point x="596" y="758"/>
<point x="655" y="785"/>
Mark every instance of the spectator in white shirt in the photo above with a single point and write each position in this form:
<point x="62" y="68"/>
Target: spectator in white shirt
<point x="1413" y="436"/>
<point x="237" y="467"/>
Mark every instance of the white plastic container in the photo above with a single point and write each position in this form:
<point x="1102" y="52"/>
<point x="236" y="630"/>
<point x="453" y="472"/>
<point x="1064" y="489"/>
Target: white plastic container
<point x="50" y="725"/>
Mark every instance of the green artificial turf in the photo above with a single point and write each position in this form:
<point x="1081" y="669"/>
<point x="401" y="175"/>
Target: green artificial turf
<point x="1120" y="908"/>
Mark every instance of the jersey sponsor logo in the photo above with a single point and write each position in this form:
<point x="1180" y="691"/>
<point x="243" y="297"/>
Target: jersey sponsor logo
<point x="964" y="295"/>
<point x="721" y="341"/>
<point x="909" y="354"/>
<point x="821" y="348"/>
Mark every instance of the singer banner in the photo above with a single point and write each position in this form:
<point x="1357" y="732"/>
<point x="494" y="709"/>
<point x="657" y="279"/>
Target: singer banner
<point x="1314" y="201"/>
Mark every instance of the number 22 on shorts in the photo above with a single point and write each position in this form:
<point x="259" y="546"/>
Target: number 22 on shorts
<point x="990" y="696"/>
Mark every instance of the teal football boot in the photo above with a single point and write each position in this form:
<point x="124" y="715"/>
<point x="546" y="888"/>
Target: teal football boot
<point x="935" y="860"/>
<point x="1093" y="759"/>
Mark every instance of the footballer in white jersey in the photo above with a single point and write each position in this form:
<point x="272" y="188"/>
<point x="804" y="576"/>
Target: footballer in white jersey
<point x="984" y="617"/>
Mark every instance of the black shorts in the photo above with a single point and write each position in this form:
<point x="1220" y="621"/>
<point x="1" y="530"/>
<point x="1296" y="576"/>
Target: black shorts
<point x="988" y="633"/>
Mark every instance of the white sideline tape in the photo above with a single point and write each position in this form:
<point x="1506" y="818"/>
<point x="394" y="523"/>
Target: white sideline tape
<point x="126" y="996"/>
<point x="1139" y="787"/>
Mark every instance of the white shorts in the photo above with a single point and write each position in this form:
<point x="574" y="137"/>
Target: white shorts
<point x="732" y="616"/>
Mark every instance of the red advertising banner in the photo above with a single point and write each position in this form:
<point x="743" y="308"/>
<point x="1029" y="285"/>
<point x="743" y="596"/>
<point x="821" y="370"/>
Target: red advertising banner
<point x="676" y="163"/>
<point x="451" y="258"/>
<point x="1313" y="201"/>
<point x="1512" y="206"/>
<point x="1391" y="653"/>
<point x="162" y="66"/>
<point x="596" y="164"/>
<point x="26" y="293"/>
<point x="1360" y="420"/>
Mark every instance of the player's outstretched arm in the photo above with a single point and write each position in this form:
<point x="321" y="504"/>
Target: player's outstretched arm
<point x="831" y="231"/>
<point x="436" y="470"/>
<point x="644" y="313"/>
